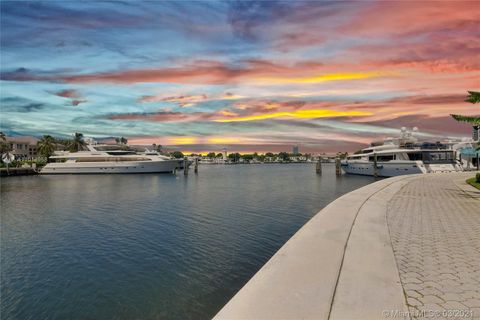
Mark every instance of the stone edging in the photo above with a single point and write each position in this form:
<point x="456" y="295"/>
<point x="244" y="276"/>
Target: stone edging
<point x="339" y="265"/>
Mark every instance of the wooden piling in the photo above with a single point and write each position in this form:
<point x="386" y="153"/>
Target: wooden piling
<point x="319" y="166"/>
<point x="338" y="170"/>
<point x="185" y="166"/>
<point x="375" y="166"/>
<point x="196" y="165"/>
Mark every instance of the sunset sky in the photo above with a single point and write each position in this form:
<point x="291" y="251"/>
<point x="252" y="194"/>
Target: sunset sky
<point x="250" y="76"/>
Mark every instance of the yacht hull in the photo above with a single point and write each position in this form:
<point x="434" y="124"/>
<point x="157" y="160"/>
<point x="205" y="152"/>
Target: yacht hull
<point x="395" y="168"/>
<point x="123" y="167"/>
<point x="385" y="169"/>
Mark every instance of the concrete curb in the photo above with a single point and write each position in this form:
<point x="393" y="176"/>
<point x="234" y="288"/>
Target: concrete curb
<point x="320" y="274"/>
<point x="465" y="187"/>
<point x="369" y="284"/>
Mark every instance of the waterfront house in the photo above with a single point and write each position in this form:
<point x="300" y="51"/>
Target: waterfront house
<point x="23" y="148"/>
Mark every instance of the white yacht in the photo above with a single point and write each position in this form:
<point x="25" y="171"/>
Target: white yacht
<point x="110" y="161"/>
<point x="400" y="156"/>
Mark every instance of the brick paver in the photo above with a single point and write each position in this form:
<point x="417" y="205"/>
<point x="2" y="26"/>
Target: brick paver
<point x="435" y="230"/>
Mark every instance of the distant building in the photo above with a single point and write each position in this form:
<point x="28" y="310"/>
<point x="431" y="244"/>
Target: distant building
<point x="23" y="148"/>
<point x="224" y="153"/>
<point x="295" y="150"/>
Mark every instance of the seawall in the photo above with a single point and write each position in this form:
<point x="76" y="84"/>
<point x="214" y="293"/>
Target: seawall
<point x="340" y="265"/>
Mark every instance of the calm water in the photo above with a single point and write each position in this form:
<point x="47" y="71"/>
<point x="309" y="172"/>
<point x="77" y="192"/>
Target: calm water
<point x="149" y="246"/>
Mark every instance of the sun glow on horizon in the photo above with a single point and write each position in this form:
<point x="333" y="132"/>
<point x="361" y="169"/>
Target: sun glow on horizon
<point x="182" y="140"/>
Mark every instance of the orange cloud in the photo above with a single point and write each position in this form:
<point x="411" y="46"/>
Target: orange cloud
<point x="298" y="114"/>
<point x="225" y="140"/>
<point x="183" y="140"/>
<point x="322" y="78"/>
<point x="227" y="113"/>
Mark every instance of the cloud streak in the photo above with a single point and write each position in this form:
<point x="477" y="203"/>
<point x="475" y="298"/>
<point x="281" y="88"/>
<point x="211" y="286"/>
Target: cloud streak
<point x="299" y="114"/>
<point x="210" y="72"/>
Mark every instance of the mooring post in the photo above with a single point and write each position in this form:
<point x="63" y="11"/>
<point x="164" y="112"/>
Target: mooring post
<point x="319" y="166"/>
<point x="338" y="170"/>
<point x="196" y="165"/>
<point x="185" y="166"/>
<point x="375" y="167"/>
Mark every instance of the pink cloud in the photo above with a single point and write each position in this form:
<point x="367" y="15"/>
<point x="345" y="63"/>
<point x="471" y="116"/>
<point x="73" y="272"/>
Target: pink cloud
<point x="404" y="17"/>
<point x="68" y="93"/>
<point x="75" y="97"/>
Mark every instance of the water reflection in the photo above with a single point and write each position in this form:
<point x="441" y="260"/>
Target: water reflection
<point x="149" y="246"/>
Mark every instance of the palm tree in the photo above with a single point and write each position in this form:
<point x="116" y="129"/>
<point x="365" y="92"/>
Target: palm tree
<point x="77" y="143"/>
<point x="46" y="146"/>
<point x="473" y="97"/>
<point x="4" y="145"/>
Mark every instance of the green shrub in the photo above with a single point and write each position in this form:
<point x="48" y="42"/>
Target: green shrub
<point x="41" y="162"/>
<point x="477" y="177"/>
<point x="15" y="164"/>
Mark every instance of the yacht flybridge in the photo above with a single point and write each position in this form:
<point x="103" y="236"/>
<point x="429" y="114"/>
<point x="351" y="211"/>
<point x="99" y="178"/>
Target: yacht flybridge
<point x="110" y="160"/>
<point x="400" y="156"/>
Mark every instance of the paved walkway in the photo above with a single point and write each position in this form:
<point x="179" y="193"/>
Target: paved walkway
<point x="400" y="248"/>
<point x="434" y="224"/>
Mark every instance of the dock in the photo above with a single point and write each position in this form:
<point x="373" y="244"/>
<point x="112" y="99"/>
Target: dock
<point x="17" y="172"/>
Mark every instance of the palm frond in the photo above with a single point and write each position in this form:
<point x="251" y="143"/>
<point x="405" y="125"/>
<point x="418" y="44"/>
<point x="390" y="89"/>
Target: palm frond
<point x="473" y="97"/>
<point x="469" y="119"/>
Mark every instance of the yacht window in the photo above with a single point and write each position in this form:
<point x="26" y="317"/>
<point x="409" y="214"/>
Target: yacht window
<point x="417" y="156"/>
<point x="120" y="153"/>
<point x="388" y="157"/>
<point x="438" y="157"/>
<point x="111" y="159"/>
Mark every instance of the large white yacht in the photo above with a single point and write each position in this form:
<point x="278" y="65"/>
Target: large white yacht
<point x="400" y="156"/>
<point x="110" y="160"/>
